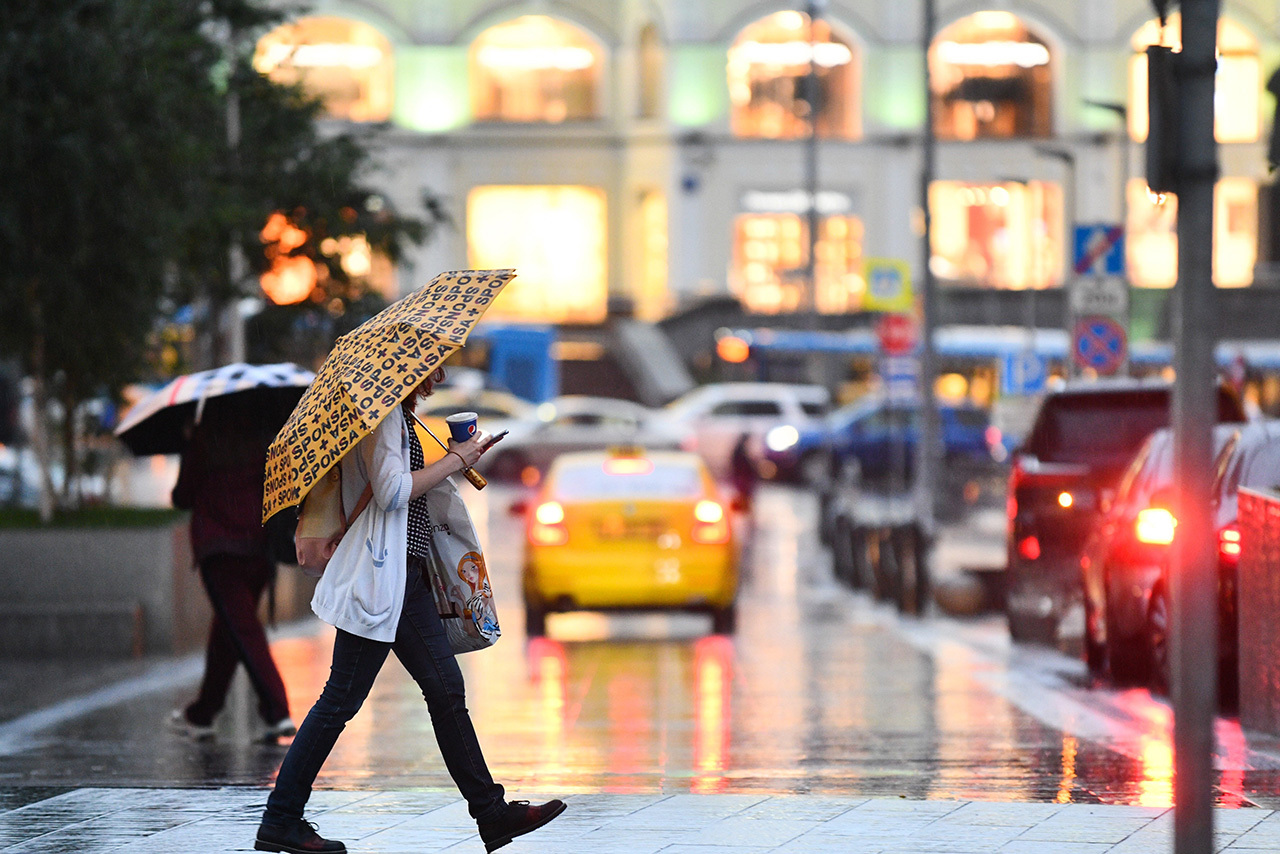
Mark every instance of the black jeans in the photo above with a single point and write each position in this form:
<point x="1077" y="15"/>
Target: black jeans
<point x="423" y="649"/>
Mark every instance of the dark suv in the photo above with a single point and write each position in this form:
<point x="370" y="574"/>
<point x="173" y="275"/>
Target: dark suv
<point x="1083" y="437"/>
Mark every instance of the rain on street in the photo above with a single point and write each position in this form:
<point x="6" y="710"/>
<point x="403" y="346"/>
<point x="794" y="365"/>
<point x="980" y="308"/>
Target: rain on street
<point x="821" y="691"/>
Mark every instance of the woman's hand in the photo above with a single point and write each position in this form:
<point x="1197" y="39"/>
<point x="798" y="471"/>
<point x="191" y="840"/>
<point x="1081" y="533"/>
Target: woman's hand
<point x="471" y="450"/>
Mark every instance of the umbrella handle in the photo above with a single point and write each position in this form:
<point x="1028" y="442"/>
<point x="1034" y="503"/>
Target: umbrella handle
<point x="477" y="479"/>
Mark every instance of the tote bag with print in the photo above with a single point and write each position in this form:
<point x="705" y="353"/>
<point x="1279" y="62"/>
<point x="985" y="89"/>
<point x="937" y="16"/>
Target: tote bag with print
<point x="460" y="579"/>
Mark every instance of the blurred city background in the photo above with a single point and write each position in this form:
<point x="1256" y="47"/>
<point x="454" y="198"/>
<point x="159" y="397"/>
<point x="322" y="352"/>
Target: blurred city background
<point x="890" y="281"/>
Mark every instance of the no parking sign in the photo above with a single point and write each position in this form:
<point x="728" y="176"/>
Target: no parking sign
<point x="1099" y="343"/>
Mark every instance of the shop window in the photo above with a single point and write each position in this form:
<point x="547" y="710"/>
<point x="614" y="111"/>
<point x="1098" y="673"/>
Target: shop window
<point x="348" y="65"/>
<point x="768" y="70"/>
<point x="650" y="72"/>
<point x="770" y="262"/>
<point x="652" y="302"/>
<point x="1151" y="241"/>
<point x="555" y="237"/>
<point x="535" y="69"/>
<point x="1237" y="84"/>
<point x="1006" y="235"/>
<point x="991" y="77"/>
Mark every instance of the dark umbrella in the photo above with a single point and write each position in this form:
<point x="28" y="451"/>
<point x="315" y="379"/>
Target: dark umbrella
<point x="157" y="423"/>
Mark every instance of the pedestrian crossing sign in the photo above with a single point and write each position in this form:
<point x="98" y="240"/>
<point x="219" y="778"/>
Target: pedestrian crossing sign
<point x="888" y="285"/>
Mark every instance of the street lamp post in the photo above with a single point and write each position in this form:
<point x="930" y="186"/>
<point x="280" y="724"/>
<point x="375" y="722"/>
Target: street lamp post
<point x="1068" y="160"/>
<point x="810" y="300"/>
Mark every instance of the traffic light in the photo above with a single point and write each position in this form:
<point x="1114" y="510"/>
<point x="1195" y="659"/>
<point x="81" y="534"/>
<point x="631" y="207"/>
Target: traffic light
<point x="1162" y="109"/>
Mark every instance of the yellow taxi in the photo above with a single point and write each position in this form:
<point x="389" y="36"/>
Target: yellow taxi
<point x="629" y="529"/>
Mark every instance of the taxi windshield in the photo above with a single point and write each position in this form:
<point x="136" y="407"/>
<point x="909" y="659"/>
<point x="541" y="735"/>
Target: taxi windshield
<point x="585" y="482"/>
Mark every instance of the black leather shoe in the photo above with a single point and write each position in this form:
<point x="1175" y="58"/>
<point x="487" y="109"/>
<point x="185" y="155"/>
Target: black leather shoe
<point x="520" y="818"/>
<point x="296" y="837"/>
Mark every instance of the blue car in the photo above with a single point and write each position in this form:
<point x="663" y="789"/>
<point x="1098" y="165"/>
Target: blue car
<point x="870" y="431"/>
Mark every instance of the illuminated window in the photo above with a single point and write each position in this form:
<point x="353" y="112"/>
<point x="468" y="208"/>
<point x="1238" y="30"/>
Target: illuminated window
<point x="347" y="64"/>
<point x="768" y="71"/>
<point x="991" y="78"/>
<point x="1005" y="235"/>
<point x="535" y="69"/>
<point x="554" y="236"/>
<point x="770" y="261"/>
<point x="1151" y="241"/>
<point x="652" y="300"/>
<point x="651" y="63"/>
<point x="1237" y="84"/>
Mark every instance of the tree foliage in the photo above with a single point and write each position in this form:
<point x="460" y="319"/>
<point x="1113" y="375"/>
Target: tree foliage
<point x="140" y="147"/>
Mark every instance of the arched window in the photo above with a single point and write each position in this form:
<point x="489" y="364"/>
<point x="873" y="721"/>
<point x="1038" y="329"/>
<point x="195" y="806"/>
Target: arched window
<point x="535" y="69"/>
<point x="347" y="64"/>
<point x="990" y="78"/>
<point x="1237" y="85"/>
<point x="769" y="66"/>
<point x="650" y="61"/>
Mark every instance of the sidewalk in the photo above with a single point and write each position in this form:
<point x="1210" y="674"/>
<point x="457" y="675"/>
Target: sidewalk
<point x="161" y="821"/>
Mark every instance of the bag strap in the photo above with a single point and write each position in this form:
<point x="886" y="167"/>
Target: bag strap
<point x="361" y="503"/>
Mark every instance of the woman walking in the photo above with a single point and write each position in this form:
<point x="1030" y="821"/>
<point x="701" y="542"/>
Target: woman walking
<point x="380" y="604"/>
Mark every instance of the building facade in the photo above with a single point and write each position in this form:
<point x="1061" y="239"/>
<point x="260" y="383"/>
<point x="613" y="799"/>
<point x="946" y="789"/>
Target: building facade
<point x="651" y="152"/>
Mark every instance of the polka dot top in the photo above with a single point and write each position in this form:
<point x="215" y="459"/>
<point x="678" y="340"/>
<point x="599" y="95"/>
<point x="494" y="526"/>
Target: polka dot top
<point x="419" y="518"/>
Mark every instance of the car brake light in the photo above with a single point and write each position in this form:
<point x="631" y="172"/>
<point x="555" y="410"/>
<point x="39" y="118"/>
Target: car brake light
<point x="1065" y="499"/>
<point x="710" y="526"/>
<point x="1229" y="543"/>
<point x="1155" y="526"/>
<point x="1029" y="548"/>
<point x="548" y="528"/>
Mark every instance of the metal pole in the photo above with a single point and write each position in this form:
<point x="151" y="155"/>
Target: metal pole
<point x="810" y="300"/>
<point x="1194" y="567"/>
<point x="929" y="448"/>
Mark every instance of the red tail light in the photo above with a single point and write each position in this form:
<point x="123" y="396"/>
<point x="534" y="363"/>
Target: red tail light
<point x="1229" y="544"/>
<point x="1029" y="547"/>
<point x="1155" y="526"/>
<point x="710" y="523"/>
<point x="548" y="527"/>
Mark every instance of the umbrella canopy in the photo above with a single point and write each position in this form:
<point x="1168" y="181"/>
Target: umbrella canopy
<point x="368" y="373"/>
<point x="157" y="423"/>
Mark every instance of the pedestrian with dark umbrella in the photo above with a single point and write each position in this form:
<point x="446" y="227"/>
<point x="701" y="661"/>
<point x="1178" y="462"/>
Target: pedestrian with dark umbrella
<point x="220" y="481"/>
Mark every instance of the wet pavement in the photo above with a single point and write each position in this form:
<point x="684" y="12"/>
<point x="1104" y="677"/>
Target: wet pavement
<point x="821" y="694"/>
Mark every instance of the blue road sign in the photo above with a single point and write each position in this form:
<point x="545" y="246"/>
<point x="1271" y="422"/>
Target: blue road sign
<point x="1023" y="372"/>
<point x="1099" y="343"/>
<point x="1099" y="250"/>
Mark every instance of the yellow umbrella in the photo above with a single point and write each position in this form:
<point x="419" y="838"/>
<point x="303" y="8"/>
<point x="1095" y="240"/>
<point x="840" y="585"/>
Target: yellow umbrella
<point x="368" y="373"/>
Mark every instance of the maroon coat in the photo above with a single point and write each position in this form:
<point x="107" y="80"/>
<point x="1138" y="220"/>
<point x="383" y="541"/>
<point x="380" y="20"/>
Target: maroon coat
<point x="220" y="481"/>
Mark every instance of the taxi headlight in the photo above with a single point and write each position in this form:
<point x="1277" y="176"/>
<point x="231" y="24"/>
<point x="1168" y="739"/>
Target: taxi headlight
<point x="781" y="438"/>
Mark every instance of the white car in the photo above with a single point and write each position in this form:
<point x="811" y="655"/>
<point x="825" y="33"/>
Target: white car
<point x="580" y="423"/>
<point x="719" y="413"/>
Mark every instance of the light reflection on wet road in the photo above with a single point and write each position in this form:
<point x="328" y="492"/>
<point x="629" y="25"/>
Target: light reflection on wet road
<point x="820" y="691"/>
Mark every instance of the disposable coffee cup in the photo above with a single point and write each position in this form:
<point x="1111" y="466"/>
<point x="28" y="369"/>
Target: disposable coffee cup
<point x="462" y="425"/>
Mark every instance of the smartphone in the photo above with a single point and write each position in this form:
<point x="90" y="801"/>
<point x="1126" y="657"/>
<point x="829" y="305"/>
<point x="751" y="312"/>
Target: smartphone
<point x="494" y="439"/>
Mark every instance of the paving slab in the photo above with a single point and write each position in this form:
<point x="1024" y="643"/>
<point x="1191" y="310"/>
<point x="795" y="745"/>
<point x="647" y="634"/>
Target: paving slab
<point x="212" y="821"/>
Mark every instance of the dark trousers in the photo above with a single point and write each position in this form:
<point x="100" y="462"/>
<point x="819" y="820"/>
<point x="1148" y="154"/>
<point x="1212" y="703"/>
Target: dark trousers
<point x="235" y="585"/>
<point x="423" y="649"/>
